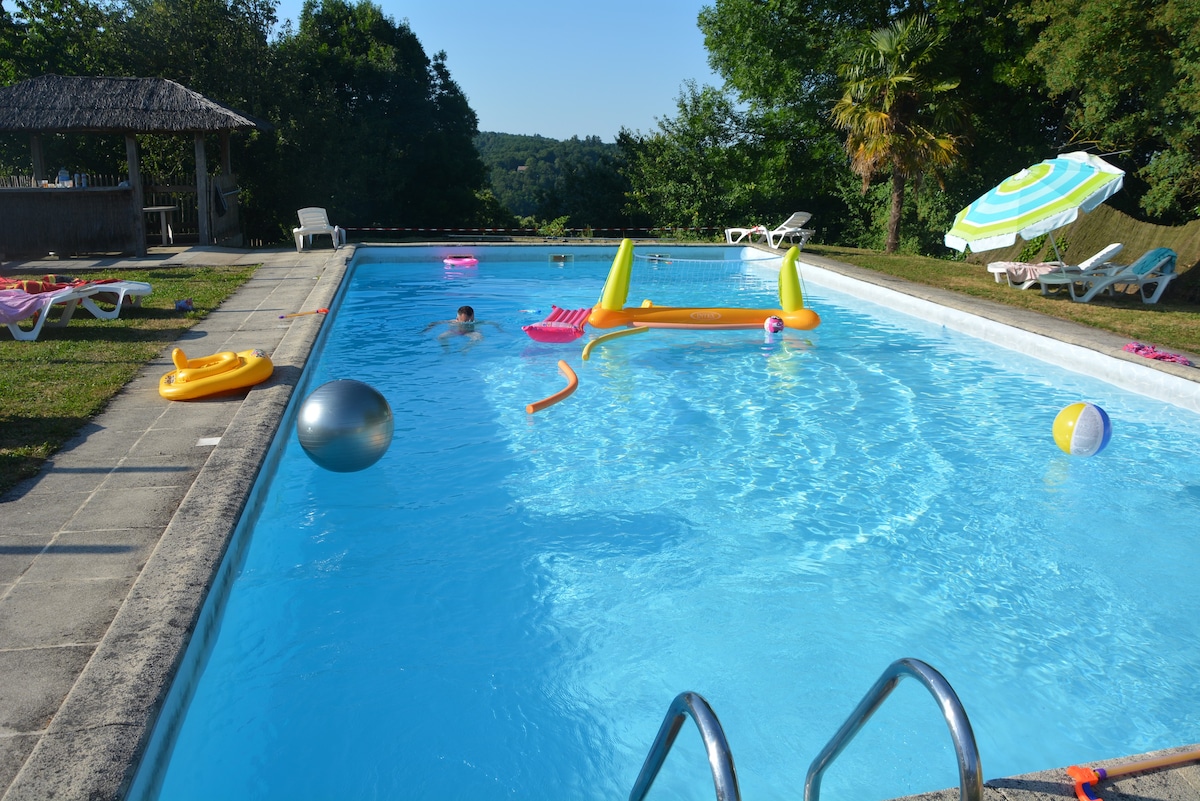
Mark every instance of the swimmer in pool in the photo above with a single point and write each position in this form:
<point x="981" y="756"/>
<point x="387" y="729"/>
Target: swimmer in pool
<point x="464" y="324"/>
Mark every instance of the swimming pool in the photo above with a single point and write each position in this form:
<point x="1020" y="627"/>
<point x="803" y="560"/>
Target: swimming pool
<point x="506" y="604"/>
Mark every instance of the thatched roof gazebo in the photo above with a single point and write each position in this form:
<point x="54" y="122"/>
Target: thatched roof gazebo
<point x="53" y="104"/>
<point x="61" y="104"/>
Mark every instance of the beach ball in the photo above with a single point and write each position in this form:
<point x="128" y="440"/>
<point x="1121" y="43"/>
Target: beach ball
<point x="773" y="325"/>
<point x="345" y="426"/>
<point x="1082" y="429"/>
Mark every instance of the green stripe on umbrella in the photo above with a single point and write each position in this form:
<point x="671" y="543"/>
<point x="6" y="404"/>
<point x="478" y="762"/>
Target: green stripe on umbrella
<point x="1035" y="201"/>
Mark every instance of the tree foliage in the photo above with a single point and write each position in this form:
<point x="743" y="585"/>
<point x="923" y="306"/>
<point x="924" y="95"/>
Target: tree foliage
<point x="690" y="174"/>
<point x="1127" y="73"/>
<point x="716" y="162"/>
<point x="368" y="125"/>
<point x="548" y="179"/>
<point x="895" y="112"/>
<point x="67" y="37"/>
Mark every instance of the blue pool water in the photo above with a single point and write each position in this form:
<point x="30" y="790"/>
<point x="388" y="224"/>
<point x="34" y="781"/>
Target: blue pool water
<point x="505" y="605"/>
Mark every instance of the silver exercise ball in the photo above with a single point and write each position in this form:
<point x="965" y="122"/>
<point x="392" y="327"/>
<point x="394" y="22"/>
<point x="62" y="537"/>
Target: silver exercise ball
<point x="345" y="425"/>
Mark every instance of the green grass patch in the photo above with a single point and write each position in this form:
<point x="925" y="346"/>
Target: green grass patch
<point x="51" y="387"/>
<point x="1169" y="324"/>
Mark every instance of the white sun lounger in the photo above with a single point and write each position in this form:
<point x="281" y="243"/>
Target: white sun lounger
<point x="17" y="305"/>
<point x="119" y="291"/>
<point x="792" y="228"/>
<point x="1023" y="275"/>
<point x="1155" y="268"/>
<point x="735" y="235"/>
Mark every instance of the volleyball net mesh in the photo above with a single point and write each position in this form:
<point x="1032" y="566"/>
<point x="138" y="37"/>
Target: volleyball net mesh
<point x="669" y="281"/>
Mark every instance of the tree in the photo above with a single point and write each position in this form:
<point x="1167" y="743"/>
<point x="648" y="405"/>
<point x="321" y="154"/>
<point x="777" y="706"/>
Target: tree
<point x="895" y="111"/>
<point x="368" y="126"/>
<point x="65" y="37"/>
<point x="784" y="53"/>
<point x="197" y="43"/>
<point x="693" y="172"/>
<point x="1126" y="72"/>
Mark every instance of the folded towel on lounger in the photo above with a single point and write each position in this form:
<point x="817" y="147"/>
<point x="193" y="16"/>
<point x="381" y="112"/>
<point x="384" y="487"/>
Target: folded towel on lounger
<point x="17" y="304"/>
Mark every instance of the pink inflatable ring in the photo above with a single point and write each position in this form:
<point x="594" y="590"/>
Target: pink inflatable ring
<point x="460" y="261"/>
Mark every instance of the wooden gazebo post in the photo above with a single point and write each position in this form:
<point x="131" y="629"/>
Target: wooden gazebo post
<point x="226" y="160"/>
<point x="203" y="193"/>
<point x="138" y="200"/>
<point x="39" y="161"/>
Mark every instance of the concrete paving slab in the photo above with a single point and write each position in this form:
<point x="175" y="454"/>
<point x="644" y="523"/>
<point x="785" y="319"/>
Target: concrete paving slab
<point x="40" y="516"/>
<point x="14" y="751"/>
<point x="36" y="615"/>
<point x="100" y="446"/>
<point x="37" y="680"/>
<point x="162" y="473"/>
<point x="17" y="553"/>
<point x="80" y="556"/>
<point x="67" y="482"/>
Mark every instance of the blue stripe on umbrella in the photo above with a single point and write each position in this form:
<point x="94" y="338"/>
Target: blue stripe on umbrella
<point x="1035" y="201"/>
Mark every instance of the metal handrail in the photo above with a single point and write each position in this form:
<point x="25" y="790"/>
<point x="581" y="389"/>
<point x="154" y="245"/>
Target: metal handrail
<point x="970" y="774"/>
<point x="720" y="759"/>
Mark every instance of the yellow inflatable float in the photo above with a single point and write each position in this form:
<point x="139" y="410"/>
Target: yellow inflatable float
<point x="208" y="375"/>
<point x="611" y="311"/>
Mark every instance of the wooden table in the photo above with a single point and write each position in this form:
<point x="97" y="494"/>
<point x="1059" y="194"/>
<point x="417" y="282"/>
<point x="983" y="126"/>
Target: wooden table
<point x="164" y="221"/>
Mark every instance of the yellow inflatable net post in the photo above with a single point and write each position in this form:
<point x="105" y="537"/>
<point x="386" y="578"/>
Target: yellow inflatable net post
<point x="616" y="287"/>
<point x="790" y="297"/>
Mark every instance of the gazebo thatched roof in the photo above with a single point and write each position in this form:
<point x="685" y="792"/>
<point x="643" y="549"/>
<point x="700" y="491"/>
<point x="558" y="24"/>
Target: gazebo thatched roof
<point x="62" y="104"/>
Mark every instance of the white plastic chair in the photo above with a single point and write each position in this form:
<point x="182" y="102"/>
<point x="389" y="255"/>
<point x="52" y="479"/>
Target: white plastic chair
<point x="315" y="221"/>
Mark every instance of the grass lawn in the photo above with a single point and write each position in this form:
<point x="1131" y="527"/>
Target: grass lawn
<point x="51" y="387"/>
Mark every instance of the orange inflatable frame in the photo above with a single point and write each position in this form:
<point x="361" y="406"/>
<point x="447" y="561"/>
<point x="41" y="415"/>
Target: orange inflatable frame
<point x="611" y="311"/>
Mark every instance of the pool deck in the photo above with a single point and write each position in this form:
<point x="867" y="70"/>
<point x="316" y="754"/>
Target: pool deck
<point x="106" y="555"/>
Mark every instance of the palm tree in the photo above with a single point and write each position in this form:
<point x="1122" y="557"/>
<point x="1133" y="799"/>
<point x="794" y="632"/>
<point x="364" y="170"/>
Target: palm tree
<point x="896" y="111"/>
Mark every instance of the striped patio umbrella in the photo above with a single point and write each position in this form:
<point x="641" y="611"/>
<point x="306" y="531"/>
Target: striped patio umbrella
<point x="1037" y="200"/>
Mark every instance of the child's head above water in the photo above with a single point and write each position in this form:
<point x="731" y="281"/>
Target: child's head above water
<point x="466" y="314"/>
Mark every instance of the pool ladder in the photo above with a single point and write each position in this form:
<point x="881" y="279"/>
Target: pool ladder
<point x="720" y="758"/>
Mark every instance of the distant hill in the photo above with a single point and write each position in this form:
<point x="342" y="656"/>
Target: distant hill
<point x="535" y="176"/>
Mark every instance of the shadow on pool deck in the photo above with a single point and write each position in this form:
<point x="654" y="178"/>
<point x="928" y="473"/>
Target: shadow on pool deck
<point x="106" y="556"/>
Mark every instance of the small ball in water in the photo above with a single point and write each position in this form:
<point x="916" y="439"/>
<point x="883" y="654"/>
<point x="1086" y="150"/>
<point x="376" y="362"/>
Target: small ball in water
<point x="345" y="425"/>
<point x="1082" y="429"/>
<point x="773" y="325"/>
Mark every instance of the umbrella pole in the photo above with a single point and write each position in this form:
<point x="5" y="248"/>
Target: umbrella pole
<point x="1057" y="255"/>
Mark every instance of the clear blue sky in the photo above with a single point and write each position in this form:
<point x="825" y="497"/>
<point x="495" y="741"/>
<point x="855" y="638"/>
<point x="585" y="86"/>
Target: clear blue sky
<point x="561" y="69"/>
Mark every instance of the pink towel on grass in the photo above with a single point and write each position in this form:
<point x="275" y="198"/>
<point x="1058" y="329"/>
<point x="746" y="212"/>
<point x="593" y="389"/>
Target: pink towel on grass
<point x="17" y="304"/>
<point x="1151" y="352"/>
